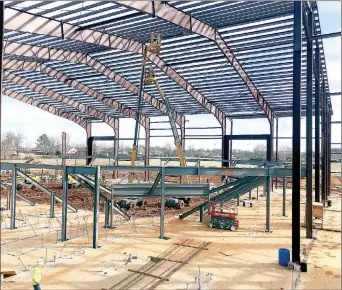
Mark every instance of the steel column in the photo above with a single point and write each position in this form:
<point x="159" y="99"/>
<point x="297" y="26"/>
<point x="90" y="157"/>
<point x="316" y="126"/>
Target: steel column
<point x="111" y="210"/>
<point x="2" y="10"/>
<point x="317" y="124"/>
<point x="250" y="195"/>
<point x="147" y="147"/>
<point x="268" y="202"/>
<point x="329" y="152"/>
<point x="96" y="208"/>
<point x="52" y="205"/>
<point x="230" y="157"/>
<point x="64" y="205"/>
<point x="116" y="145"/>
<point x="162" y="205"/>
<point x="64" y="149"/>
<point x="14" y="197"/>
<point x="284" y="196"/>
<point x="8" y="201"/>
<point x="309" y="72"/>
<point x="296" y="140"/>
<point x="201" y="213"/>
<point x="323" y="134"/>
<point x="277" y="147"/>
<point x="106" y="212"/>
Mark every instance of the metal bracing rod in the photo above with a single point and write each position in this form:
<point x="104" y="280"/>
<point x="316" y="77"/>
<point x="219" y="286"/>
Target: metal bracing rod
<point x="96" y="208"/>
<point x="46" y="107"/>
<point x="296" y="140"/>
<point x="14" y="197"/>
<point x="33" y="24"/>
<point x="309" y="73"/>
<point x="323" y="145"/>
<point x="16" y="79"/>
<point x="176" y="16"/>
<point x="49" y="54"/>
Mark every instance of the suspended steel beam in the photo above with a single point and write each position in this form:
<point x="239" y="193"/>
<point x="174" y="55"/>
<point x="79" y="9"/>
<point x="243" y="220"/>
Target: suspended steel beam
<point x="176" y="16"/>
<point x="48" y="108"/>
<point x="16" y="79"/>
<point x="30" y="23"/>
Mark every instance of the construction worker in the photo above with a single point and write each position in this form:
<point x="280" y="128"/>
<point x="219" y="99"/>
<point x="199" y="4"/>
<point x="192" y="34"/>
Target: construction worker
<point x="37" y="275"/>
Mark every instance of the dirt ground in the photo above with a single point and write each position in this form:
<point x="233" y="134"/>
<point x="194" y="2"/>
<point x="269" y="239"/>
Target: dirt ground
<point x="244" y="259"/>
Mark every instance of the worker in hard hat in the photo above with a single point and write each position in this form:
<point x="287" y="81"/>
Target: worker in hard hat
<point x="37" y="275"/>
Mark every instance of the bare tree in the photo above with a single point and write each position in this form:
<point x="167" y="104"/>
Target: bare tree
<point x="14" y="141"/>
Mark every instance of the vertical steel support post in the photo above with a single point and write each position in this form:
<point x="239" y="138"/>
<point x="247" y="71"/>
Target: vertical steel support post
<point x="296" y="138"/>
<point x="116" y="145"/>
<point x="96" y="208"/>
<point x="182" y="132"/>
<point x="323" y="134"/>
<point x="329" y="152"/>
<point x="14" y="197"/>
<point x="277" y="147"/>
<point x="52" y="205"/>
<point x="309" y="72"/>
<point x="284" y="196"/>
<point x="2" y="11"/>
<point x="270" y="147"/>
<point x="147" y="147"/>
<point x="64" y="204"/>
<point x="250" y="195"/>
<point x="111" y="208"/>
<point x="89" y="142"/>
<point x="106" y="212"/>
<point x="63" y="149"/>
<point x="8" y="201"/>
<point x="268" y="202"/>
<point x="201" y="213"/>
<point x="231" y="143"/>
<point x="317" y="124"/>
<point x="162" y="205"/>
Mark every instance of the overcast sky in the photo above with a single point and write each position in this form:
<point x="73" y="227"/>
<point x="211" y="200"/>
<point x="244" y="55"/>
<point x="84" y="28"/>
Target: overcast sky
<point x="21" y="117"/>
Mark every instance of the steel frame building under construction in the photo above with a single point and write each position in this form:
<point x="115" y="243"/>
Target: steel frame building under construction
<point x="236" y="60"/>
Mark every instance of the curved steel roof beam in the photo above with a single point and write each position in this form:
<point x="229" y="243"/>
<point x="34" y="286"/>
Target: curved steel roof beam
<point x="52" y="54"/>
<point x="29" y="23"/>
<point x="35" y="66"/>
<point x="48" y="108"/>
<point x="176" y="16"/>
<point x="16" y="79"/>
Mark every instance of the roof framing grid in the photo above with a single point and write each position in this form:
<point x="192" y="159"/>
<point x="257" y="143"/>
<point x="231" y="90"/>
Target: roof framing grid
<point x="60" y="98"/>
<point x="24" y="22"/>
<point x="41" y="67"/>
<point x="44" y="54"/>
<point x="259" y="33"/>
<point x="46" y="107"/>
<point x="182" y="19"/>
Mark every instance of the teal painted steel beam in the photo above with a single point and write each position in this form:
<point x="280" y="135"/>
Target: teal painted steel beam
<point x="44" y="189"/>
<point x="156" y="181"/>
<point x="170" y="189"/>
